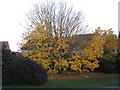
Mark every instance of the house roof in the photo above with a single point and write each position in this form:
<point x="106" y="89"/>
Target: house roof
<point x="77" y="38"/>
<point x="86" y="37"/>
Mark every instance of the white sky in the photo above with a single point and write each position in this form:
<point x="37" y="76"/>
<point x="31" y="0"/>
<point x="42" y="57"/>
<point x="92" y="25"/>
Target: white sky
<point x="103" y="13"/>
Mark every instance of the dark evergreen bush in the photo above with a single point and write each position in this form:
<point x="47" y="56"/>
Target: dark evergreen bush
<point x="21" y="71"/>
<point x="107" y="66"/>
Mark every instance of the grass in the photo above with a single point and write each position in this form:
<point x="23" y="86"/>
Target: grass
<point x="94" y="82"/>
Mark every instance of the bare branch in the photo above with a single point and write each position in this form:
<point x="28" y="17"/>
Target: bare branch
<point x="60" y="19"/>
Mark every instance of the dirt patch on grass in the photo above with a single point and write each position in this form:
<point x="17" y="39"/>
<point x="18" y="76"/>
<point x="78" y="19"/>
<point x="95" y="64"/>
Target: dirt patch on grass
<point x="71" y="76"/>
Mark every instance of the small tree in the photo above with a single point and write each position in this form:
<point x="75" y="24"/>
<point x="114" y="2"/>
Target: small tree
<point x="87" y="60"/>
<point x="46" y="50"/>
<point x="108" y="61"/>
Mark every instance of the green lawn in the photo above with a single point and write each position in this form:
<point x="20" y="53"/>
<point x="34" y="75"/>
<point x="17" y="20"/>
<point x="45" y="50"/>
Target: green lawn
<point x="108" y="80"/>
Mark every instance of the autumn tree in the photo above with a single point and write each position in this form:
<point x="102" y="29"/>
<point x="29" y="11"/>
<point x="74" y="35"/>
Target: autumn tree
<point x="49" y="25"/>
<point x="110" y="46"/>
<point x="59" y="17"/>
<point x="100" y="51"/>
<point x="108" y="61"/>
<point x="53" y="53"/>
<point x="87" y="59"/>
<point x="49" y="51"/>
<point x="111" y="42"/>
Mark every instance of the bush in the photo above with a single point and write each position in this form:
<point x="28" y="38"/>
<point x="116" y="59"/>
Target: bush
<point x="22" y="71"/>
<point x="107" y="66"/>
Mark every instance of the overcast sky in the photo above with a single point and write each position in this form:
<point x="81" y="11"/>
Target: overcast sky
<point x="103" y="13"/>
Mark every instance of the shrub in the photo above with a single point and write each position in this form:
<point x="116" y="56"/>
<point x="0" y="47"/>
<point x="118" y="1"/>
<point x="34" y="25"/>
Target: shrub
<point x="22" y="71"/>
<point x="107" y="66"/>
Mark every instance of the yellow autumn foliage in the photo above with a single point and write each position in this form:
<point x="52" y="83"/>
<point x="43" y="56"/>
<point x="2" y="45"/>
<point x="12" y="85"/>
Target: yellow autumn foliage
<point x="51" y="51"/>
